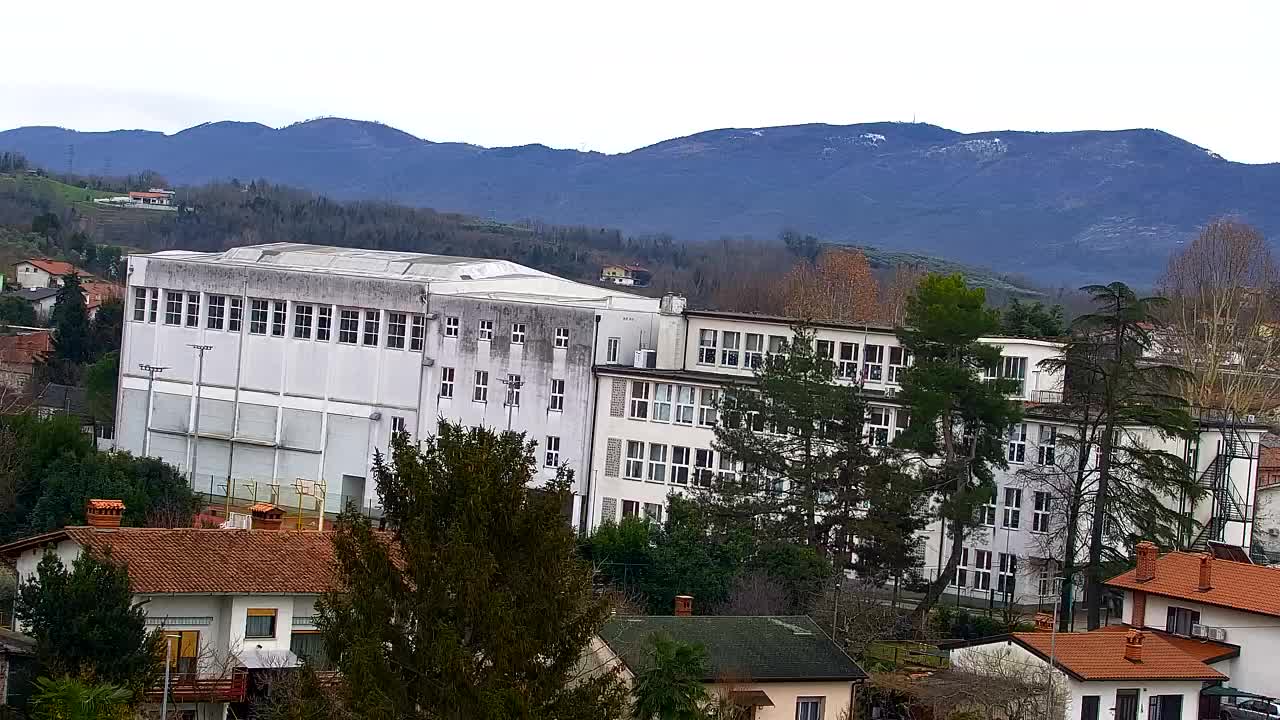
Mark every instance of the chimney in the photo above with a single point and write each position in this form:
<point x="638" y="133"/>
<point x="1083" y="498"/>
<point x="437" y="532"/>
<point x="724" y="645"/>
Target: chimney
<point x="1138" y="613"/>
<point x="104" y="513"/>
<point x="1133" y="646"/>
<point x="1206" y="573"/>
<point x="1044" y="622"/>
<point x="1147" y="554"/>
<point x="266" y="516"/>
<point x="684" y="605"/>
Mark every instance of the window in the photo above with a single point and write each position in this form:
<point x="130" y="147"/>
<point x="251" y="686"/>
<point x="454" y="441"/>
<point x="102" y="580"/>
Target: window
<point x="899" y="358"/>
<point x="418" y="333"/>
<point x="634" y="469"/>
<point x="140" y="304"/>
<point x="308" y="645"/>
<point x="708" y="414"/>
<point x="901" y="421"/>
<point x="1043" y="508"/>
<point x="703" y="460"/>
<point x="348" y="326"/>
<point x="481" y="392"/>
<point x="193" y="309"/>
<point x="173" y="308"/>
<point x="961" y="578"/>
<point x="1179" y="620"/>
<point x="557" y="395"/>
<point x="809" y="708"/>
<point x="397" y="424"/>
<point x="639" y="400"/>
<point x="987" y="512"/>
<point x="754" y="356"/>
<point x="777" y="345"/>
<point x="155" y="304"/>
<point x="611" y="353"/>
<point x="1012" y="508"/>
<point x="872" y="363"/>
<point x="684" y="405"/>
<point x="260" y="623"/>
<point x="553" y="452"/>
<point x="653" y="512"/>
<point x="630" y="508"/>
<point x="237" y="313"/>
<point x="517" y="333"/>
<point x="878" y="425"/>
<point x="1047" y="450"/>
<point x="729" y="351"/>
<point x="451" y="325"/>
<point x="217" y="312"/>
<point x="302" y="319"/>
<point x="1089" y="707"/>
<point x="372" y="318"/>
<point x="826" y="350"/>
<point x="679" y="465"/>
<point x="847" y="368"/>
<point x="657" y="463"/>
<point x="396" y="325"/>
<point x="728" y="469"/>
<point x="1008" y="573"/>
<point x="562" y="337"/>
<point x="446" y="382"/>
<point x="1015" y="368"/>
<point x="1018" y="443"/>
<point x="981" y="569"/>
<point x="706" y="347"/>
<point x="184" y="651"/>
<point x="278" y="315"/>
<point x="513" y="390"/>
<point x="486" y="330"/>
<point x="663" y="395"/>
<point x="324" y="323"/>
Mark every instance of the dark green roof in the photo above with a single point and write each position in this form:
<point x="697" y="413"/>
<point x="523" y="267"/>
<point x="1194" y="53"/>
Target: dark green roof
<point x="739" y="648"/>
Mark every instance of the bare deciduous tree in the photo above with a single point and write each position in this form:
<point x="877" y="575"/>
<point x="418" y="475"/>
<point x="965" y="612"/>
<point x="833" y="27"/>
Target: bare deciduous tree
<point x="896" y="290"/>
<point x="837" y="286"/>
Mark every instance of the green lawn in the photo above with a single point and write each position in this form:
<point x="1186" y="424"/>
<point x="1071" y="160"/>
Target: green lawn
<point x="69" y="193"/>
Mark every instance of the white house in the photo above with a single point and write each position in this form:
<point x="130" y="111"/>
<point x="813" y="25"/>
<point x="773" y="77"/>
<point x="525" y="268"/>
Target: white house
<point x="1208" y="599"/>
<point x="44" y="272"/>
<point x="1106" y="674"/>
<point x="230" y="601"/>
<point x="316" y="355"/>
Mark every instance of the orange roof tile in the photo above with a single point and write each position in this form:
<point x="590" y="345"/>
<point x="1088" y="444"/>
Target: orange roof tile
<point x="262" y="507"/>
<point x="25" y="349"/>
<point x="1099" y="655"/>
<point x="106" y="504"/>
<point x="1206" y="651"/>
<point x="55" y="267"/>
<point x="1236" y="585"/>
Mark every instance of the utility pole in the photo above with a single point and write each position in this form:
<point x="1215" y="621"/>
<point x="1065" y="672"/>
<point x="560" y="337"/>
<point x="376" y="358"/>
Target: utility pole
<point x="513" y="387"/>
<point x="1053" y="646"/>
<point x="151" y="371"/>
<point x="195" y="444"/>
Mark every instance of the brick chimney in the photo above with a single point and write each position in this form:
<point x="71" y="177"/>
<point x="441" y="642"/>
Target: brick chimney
<point x="266" y="516"/>
<point x="1138" y="613"/>
<point x="1206" y="573"/>
<point x="1147" y="555"/>
<point x="1133" y="646"/>
<point x="1044" y="622"/>
<point x="104" y="513"/>
<point x="684" y="605"/>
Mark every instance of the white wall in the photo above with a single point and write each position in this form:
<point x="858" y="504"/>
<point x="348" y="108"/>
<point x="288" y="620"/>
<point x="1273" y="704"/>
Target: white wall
<point x="837" y="697"/>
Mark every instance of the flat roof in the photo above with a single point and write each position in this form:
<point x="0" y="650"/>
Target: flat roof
<point x="445" y="274"/>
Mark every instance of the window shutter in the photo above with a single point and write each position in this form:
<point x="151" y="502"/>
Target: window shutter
<point x="1171" y="620"/>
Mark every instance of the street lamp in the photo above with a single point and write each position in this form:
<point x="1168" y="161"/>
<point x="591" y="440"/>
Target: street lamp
<point x="168" y="660"/>
<point x="513" y="387"/>
<point x="151" y="371"/>
<point x="195" y="444"/>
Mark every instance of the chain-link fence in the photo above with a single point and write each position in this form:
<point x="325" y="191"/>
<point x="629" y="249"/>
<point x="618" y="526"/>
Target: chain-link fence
<point x="297" y="499"/>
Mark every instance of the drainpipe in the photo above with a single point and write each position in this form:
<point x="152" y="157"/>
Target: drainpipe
<point x="584" y="513"/>
<point x="235" y="401"/>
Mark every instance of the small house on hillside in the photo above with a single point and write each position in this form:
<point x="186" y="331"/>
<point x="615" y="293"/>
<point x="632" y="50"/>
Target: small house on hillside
<point x="19" y="355"/>
<point x="630" y="275"/>
<point x="152" y="196"/>
<point x="44" y="272"/>
<point x="41" y="299"/>
<point x="773" y="668"/>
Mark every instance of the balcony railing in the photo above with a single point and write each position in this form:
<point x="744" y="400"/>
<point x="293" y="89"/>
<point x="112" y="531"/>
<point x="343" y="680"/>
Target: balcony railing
<point x="186" y="688"/>
<point x="1046" y="396"/>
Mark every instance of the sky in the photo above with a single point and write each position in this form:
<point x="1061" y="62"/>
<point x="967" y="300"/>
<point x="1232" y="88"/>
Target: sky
<point x="614" y="76"/>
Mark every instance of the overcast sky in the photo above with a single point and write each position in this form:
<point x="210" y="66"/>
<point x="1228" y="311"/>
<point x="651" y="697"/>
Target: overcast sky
<point x="613" y="76"/>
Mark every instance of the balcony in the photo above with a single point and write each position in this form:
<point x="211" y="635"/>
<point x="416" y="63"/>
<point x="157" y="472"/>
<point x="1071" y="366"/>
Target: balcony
<point x="186" y="688"/>
<point x="1046" y="397"/>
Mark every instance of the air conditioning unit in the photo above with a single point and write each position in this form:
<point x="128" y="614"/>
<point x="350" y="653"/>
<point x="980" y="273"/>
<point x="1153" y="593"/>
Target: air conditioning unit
<point x="1209" y="632"/>
<point x="646" y="358"/>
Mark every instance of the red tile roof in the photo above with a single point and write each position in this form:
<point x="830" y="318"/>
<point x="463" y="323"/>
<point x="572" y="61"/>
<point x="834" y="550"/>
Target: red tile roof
<point x="1099" y="655"/>
<point x="191" y="560"/>
<point x="1236" y="585"/>
<point x="1206" y="651"/>
<point x="55" y="267"/>
<point x="25" y="349"/>
<point x="97" y="292"/>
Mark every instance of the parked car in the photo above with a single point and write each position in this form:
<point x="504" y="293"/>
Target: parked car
<point x="1251" y="710"/>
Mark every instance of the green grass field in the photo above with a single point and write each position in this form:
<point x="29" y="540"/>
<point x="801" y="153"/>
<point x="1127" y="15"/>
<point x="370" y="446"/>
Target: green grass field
<point x="69" y="193"/>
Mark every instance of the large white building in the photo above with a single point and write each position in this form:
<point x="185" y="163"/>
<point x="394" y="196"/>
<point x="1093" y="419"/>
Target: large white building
<point x="316" y="355"/>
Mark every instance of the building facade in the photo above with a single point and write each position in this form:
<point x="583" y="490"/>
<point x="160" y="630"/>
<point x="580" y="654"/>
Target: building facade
<point x="314" y="356"/>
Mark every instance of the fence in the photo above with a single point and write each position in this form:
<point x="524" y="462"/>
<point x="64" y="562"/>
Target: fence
<point x="285" y="495"/>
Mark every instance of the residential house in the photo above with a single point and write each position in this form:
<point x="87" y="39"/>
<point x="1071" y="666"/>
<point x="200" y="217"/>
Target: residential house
<point x="1207" y="598"/>
<point x="774" y="668"/>
<point x="232" y="602"/>
<point x="152" y="196"/>
<point x="44" y="272"/>
<point x="97" y="292"/>
<point x="629" y="275"/>
<point x="1113" y="673"/>
<point x="41" y="299"/>
<point x="19" y="355"/>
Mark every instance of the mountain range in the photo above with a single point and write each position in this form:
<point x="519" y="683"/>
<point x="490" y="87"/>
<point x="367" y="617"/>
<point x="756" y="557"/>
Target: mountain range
<point x="1057" y="207"/>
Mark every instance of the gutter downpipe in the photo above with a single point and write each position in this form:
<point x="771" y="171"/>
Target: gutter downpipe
<point x="235" y="401"/>
<point x="587" y="503"/>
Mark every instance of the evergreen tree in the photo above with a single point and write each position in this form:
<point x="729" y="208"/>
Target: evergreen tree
<point x="888" y="533"/>
<point x="70" y="322"/>
<point x="106" y="330"/>
<point x="958" y="420"/>
<point x="86" y="624"/>
<point x="473" y="604"/>
<point x="668" y="685"/>
<point x="16" y="311"/>
<point x="1036" y="319"/>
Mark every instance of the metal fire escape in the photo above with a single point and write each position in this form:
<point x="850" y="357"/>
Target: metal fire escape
<point x="1226" y="503"/>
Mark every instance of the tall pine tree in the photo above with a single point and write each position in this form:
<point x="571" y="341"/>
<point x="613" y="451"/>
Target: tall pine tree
<point x="70" y="322"/>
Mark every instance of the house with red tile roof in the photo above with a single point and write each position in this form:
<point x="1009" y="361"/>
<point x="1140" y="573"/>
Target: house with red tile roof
<point x="1203" y="598"/>
<point x="44" y="272"/>
<point x="19" y="355"/>
<point x="233" y="601"/>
